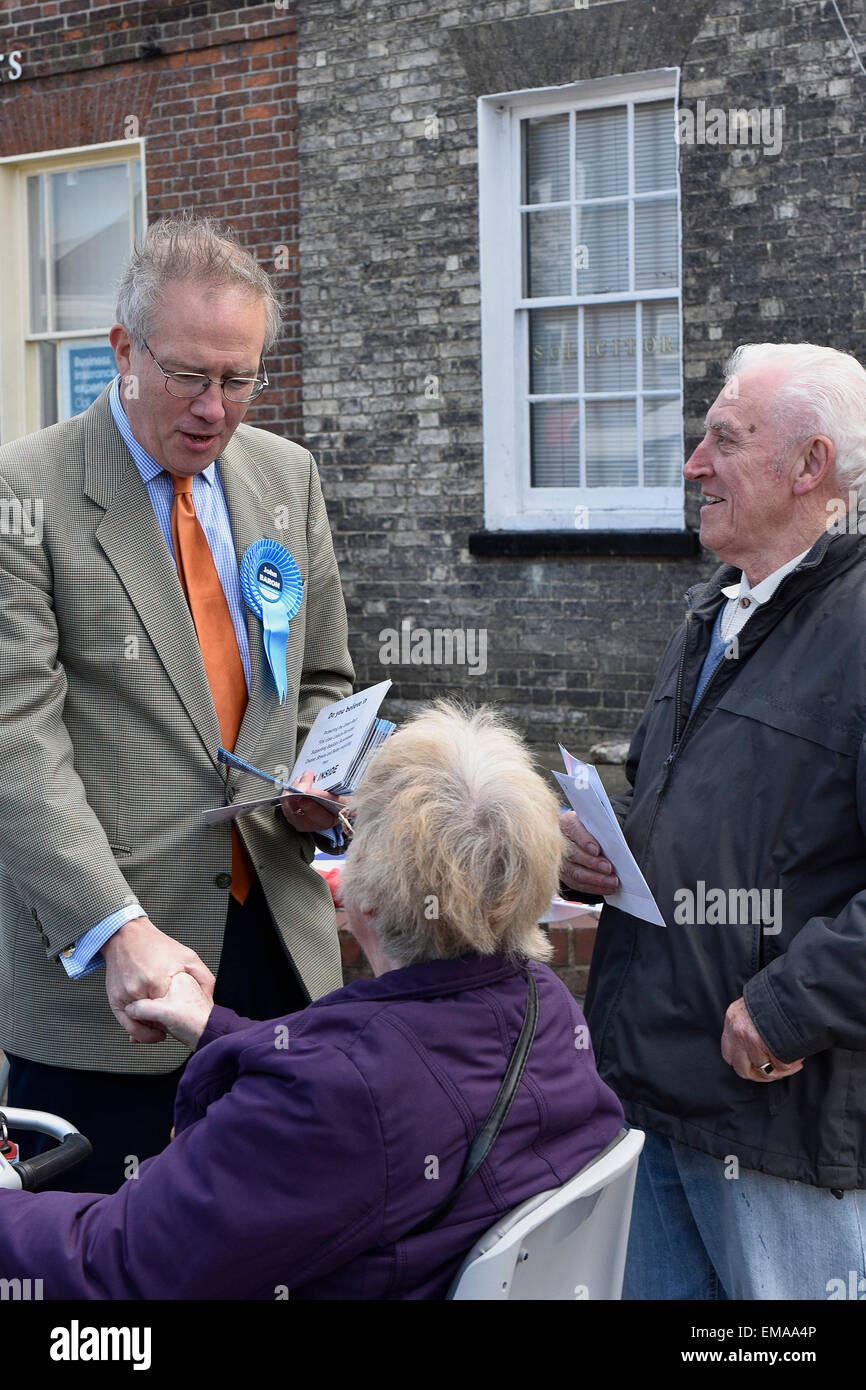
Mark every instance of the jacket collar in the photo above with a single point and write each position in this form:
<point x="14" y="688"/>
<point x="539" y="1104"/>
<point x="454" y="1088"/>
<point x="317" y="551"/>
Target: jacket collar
<point x="829" y="556"/>
<point x="426" y="979"/>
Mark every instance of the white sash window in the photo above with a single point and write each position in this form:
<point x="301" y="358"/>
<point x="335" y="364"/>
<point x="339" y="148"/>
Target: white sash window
<point x="75" y="215"/>
<point x="580" y="294"/>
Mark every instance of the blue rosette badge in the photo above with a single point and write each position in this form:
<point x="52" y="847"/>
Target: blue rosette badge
<point x="273" y="588"/>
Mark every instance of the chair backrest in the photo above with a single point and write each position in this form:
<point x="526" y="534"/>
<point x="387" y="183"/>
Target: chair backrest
<point x="569" y="1243"/>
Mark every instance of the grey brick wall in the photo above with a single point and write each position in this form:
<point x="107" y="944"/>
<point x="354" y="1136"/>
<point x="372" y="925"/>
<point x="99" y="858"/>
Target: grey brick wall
<point x="390" y="295"/>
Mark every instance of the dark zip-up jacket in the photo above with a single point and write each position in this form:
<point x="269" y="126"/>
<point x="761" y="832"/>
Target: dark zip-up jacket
<point x="763" y="788"/>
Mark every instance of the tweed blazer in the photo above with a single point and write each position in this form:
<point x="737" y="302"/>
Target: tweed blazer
<point x="109" y="736"/>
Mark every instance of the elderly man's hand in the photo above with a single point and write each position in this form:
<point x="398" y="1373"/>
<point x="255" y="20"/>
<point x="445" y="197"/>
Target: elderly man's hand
<point x="183" y="1011"/>
<point x="583" y="867"/>
<point x="744" y="1049"/>
<point x="306" y="815"/>
<point x="140" y="961"/>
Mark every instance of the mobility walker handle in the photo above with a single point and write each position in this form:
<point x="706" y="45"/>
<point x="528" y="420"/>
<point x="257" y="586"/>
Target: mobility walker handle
<point x="34" y="1173"/>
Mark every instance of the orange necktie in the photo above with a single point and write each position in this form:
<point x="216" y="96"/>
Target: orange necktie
<point x="216" y="636"/>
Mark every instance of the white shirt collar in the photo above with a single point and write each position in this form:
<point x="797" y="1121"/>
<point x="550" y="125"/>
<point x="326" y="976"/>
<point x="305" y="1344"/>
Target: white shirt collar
<point x="767" y="587"/>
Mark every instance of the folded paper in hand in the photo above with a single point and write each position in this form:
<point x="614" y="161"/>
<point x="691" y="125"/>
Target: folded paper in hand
<point x="337" y="750"/>
<point x="586" y="794"/>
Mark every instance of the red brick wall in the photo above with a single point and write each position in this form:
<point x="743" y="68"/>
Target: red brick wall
<point x="572" y="943"/>
<point x="213" y="89"/>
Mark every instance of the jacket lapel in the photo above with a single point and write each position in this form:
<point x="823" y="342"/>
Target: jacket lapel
<point x="131" y="538"/>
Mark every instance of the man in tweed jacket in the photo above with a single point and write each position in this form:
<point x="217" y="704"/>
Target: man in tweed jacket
<point x="109" y="733"/>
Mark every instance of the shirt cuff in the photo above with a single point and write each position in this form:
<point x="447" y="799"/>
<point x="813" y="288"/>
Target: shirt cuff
<point x="331" y="841"/>
<point x="83" y="958"/>
<point x="334" y="839"/>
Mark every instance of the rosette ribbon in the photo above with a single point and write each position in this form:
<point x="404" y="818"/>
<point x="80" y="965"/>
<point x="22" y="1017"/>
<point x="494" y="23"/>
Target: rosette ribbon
<point x="273" y="589"/>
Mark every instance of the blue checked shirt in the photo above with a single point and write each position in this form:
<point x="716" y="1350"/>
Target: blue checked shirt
<point x="209" y="501"/>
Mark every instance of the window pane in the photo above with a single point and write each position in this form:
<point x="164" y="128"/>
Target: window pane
<point x="602" y="249"/>
<point x="662" y="443"/>
<point x="555" y="432"/>
<point x="553" y="349"/>
<point x="137" y="203"/>
<point x="611" y="444"/>
<point x="655" y="149"/>
<point x="36" y="253"/>
<point x="661" y="346"/>
<point x="601" y="153"/>
<point x="545" y="170"/>
<point x="90" y="243"/>
<point x="609" y="348"/>
<point x="656" y="249"/>
<point x="548" y="253"/>
<point x="47" y="384"/>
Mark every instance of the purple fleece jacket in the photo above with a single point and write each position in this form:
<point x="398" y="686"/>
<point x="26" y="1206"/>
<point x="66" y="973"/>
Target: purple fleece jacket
<point x="307" y="1147"/>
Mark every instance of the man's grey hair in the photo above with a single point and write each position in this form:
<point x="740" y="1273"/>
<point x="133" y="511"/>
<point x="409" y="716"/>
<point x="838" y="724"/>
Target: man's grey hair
<point x="457" y="844"/>
<point x="823" y="392"/>
<point x="197" y="249"/>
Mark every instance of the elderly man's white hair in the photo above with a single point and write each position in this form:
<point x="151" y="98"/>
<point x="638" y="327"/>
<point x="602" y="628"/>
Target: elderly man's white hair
<point x="824" y="392"/>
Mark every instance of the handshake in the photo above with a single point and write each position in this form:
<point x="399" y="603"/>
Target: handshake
<point x="156" y="985"/>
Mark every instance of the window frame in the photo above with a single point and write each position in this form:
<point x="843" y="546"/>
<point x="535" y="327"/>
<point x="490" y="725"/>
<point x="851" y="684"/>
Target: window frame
<point x="19" y="346"/>
<point x="510" y="502"/>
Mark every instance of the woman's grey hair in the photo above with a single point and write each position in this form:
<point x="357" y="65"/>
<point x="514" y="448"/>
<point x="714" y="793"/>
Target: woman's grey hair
<point x="199" y="249"/>
<point x="457" y="844"/>
<point x="823" y="392"/>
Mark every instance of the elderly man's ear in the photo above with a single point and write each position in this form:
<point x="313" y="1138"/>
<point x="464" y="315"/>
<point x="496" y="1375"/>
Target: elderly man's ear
<point x="814" y="465"/>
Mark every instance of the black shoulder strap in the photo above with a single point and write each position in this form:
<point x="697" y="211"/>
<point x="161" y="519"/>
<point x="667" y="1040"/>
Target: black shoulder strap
<point x="484" y="1139"/>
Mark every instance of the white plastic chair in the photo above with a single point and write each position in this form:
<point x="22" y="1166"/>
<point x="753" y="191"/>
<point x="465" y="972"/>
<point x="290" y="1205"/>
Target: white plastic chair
<point x="568" y="1243"/>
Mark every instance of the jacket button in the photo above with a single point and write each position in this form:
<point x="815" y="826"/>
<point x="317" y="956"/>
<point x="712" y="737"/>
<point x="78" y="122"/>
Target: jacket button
<point x="230" y="793"/>
<point x="223" y="880"/>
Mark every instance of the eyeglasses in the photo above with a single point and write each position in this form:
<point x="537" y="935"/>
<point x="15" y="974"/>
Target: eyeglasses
<point x="237" y="389"/>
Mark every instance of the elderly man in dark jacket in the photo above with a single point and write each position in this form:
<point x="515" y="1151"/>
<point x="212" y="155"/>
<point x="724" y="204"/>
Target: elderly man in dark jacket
<point x="737" y="1035"/>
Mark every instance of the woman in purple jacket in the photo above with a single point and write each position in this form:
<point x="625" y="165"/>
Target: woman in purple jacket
<point x="309" y="1149"/>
